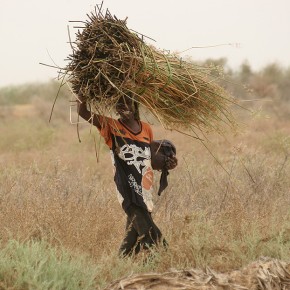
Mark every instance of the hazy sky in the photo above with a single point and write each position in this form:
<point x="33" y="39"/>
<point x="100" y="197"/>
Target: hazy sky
<point x="32" y="30"/>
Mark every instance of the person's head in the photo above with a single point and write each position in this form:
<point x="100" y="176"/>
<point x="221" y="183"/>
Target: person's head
<point x="127" y="108"/>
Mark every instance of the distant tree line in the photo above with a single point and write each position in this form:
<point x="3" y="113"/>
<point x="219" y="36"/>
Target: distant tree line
<point x="270" y="83"/>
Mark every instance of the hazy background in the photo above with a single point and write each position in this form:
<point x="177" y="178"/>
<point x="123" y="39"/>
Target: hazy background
<point x="32" y="30"/>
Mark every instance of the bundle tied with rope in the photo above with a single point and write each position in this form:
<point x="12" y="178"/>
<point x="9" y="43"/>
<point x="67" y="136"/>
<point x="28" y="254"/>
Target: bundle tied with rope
<point x="109" y="60"/>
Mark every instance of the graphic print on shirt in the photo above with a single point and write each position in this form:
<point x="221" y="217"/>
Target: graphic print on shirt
<point x="136" y="156"/>
<point x="141" y="159"/>
<point x="131" y="156"/>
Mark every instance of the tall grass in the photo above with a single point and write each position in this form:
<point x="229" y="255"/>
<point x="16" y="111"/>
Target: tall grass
<point x="60" y="217"/>
<point x="37" y="265"/>
<point x="25" y="135"/>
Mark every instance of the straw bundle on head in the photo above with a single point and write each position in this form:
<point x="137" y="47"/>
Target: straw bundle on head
<point x="109" y="60"/>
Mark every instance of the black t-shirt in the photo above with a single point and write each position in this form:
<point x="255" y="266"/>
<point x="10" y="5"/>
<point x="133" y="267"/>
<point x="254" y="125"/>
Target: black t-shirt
<point x="131" y="157"/>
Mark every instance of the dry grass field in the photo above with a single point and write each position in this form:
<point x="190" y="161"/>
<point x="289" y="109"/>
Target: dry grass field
<point x="226" y="206"/>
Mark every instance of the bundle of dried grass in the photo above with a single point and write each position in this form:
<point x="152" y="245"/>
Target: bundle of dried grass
<point x="264" y="274"/>
<point x="109" y="60"/>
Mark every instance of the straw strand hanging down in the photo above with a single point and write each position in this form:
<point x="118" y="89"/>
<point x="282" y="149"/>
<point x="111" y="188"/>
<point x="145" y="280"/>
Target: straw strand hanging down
<point x="109" y="60"/>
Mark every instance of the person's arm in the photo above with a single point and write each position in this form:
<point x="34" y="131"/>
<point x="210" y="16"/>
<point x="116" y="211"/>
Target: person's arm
<point x="171" y="162"/>
<point x="87" y="115"/>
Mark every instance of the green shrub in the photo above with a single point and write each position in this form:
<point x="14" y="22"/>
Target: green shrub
<point x="36" y="265"/>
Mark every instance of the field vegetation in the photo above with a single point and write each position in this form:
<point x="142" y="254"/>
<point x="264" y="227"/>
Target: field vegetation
<point x="227" y="203"/>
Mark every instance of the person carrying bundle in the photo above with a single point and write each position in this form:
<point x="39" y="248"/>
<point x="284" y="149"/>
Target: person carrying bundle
<point x="112" y="67"/>
<point x="129" y="140"/>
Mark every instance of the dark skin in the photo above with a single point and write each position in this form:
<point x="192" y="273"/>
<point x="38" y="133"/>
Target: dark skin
<point x="125" y="109"/>
<point x="86" y="114"/>
<point x="126" y="113"/>
<point x="171" y="163"/>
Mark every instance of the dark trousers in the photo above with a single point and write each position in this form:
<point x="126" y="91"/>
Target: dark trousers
<point x="141" y="231"/>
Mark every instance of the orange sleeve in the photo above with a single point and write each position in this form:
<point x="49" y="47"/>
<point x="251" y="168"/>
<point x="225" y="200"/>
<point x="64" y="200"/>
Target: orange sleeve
<point x="105" y="130"/>
<point x="149" y="132"/>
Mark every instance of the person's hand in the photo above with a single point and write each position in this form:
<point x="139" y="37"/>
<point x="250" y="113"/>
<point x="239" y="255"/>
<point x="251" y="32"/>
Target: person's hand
<point x="81" y="99"/>
<point x="171" y="162"/>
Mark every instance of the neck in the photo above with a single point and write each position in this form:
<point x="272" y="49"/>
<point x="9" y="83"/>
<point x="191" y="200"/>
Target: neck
<point x="130" y="120"/>
<point x="131" y="123"/>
